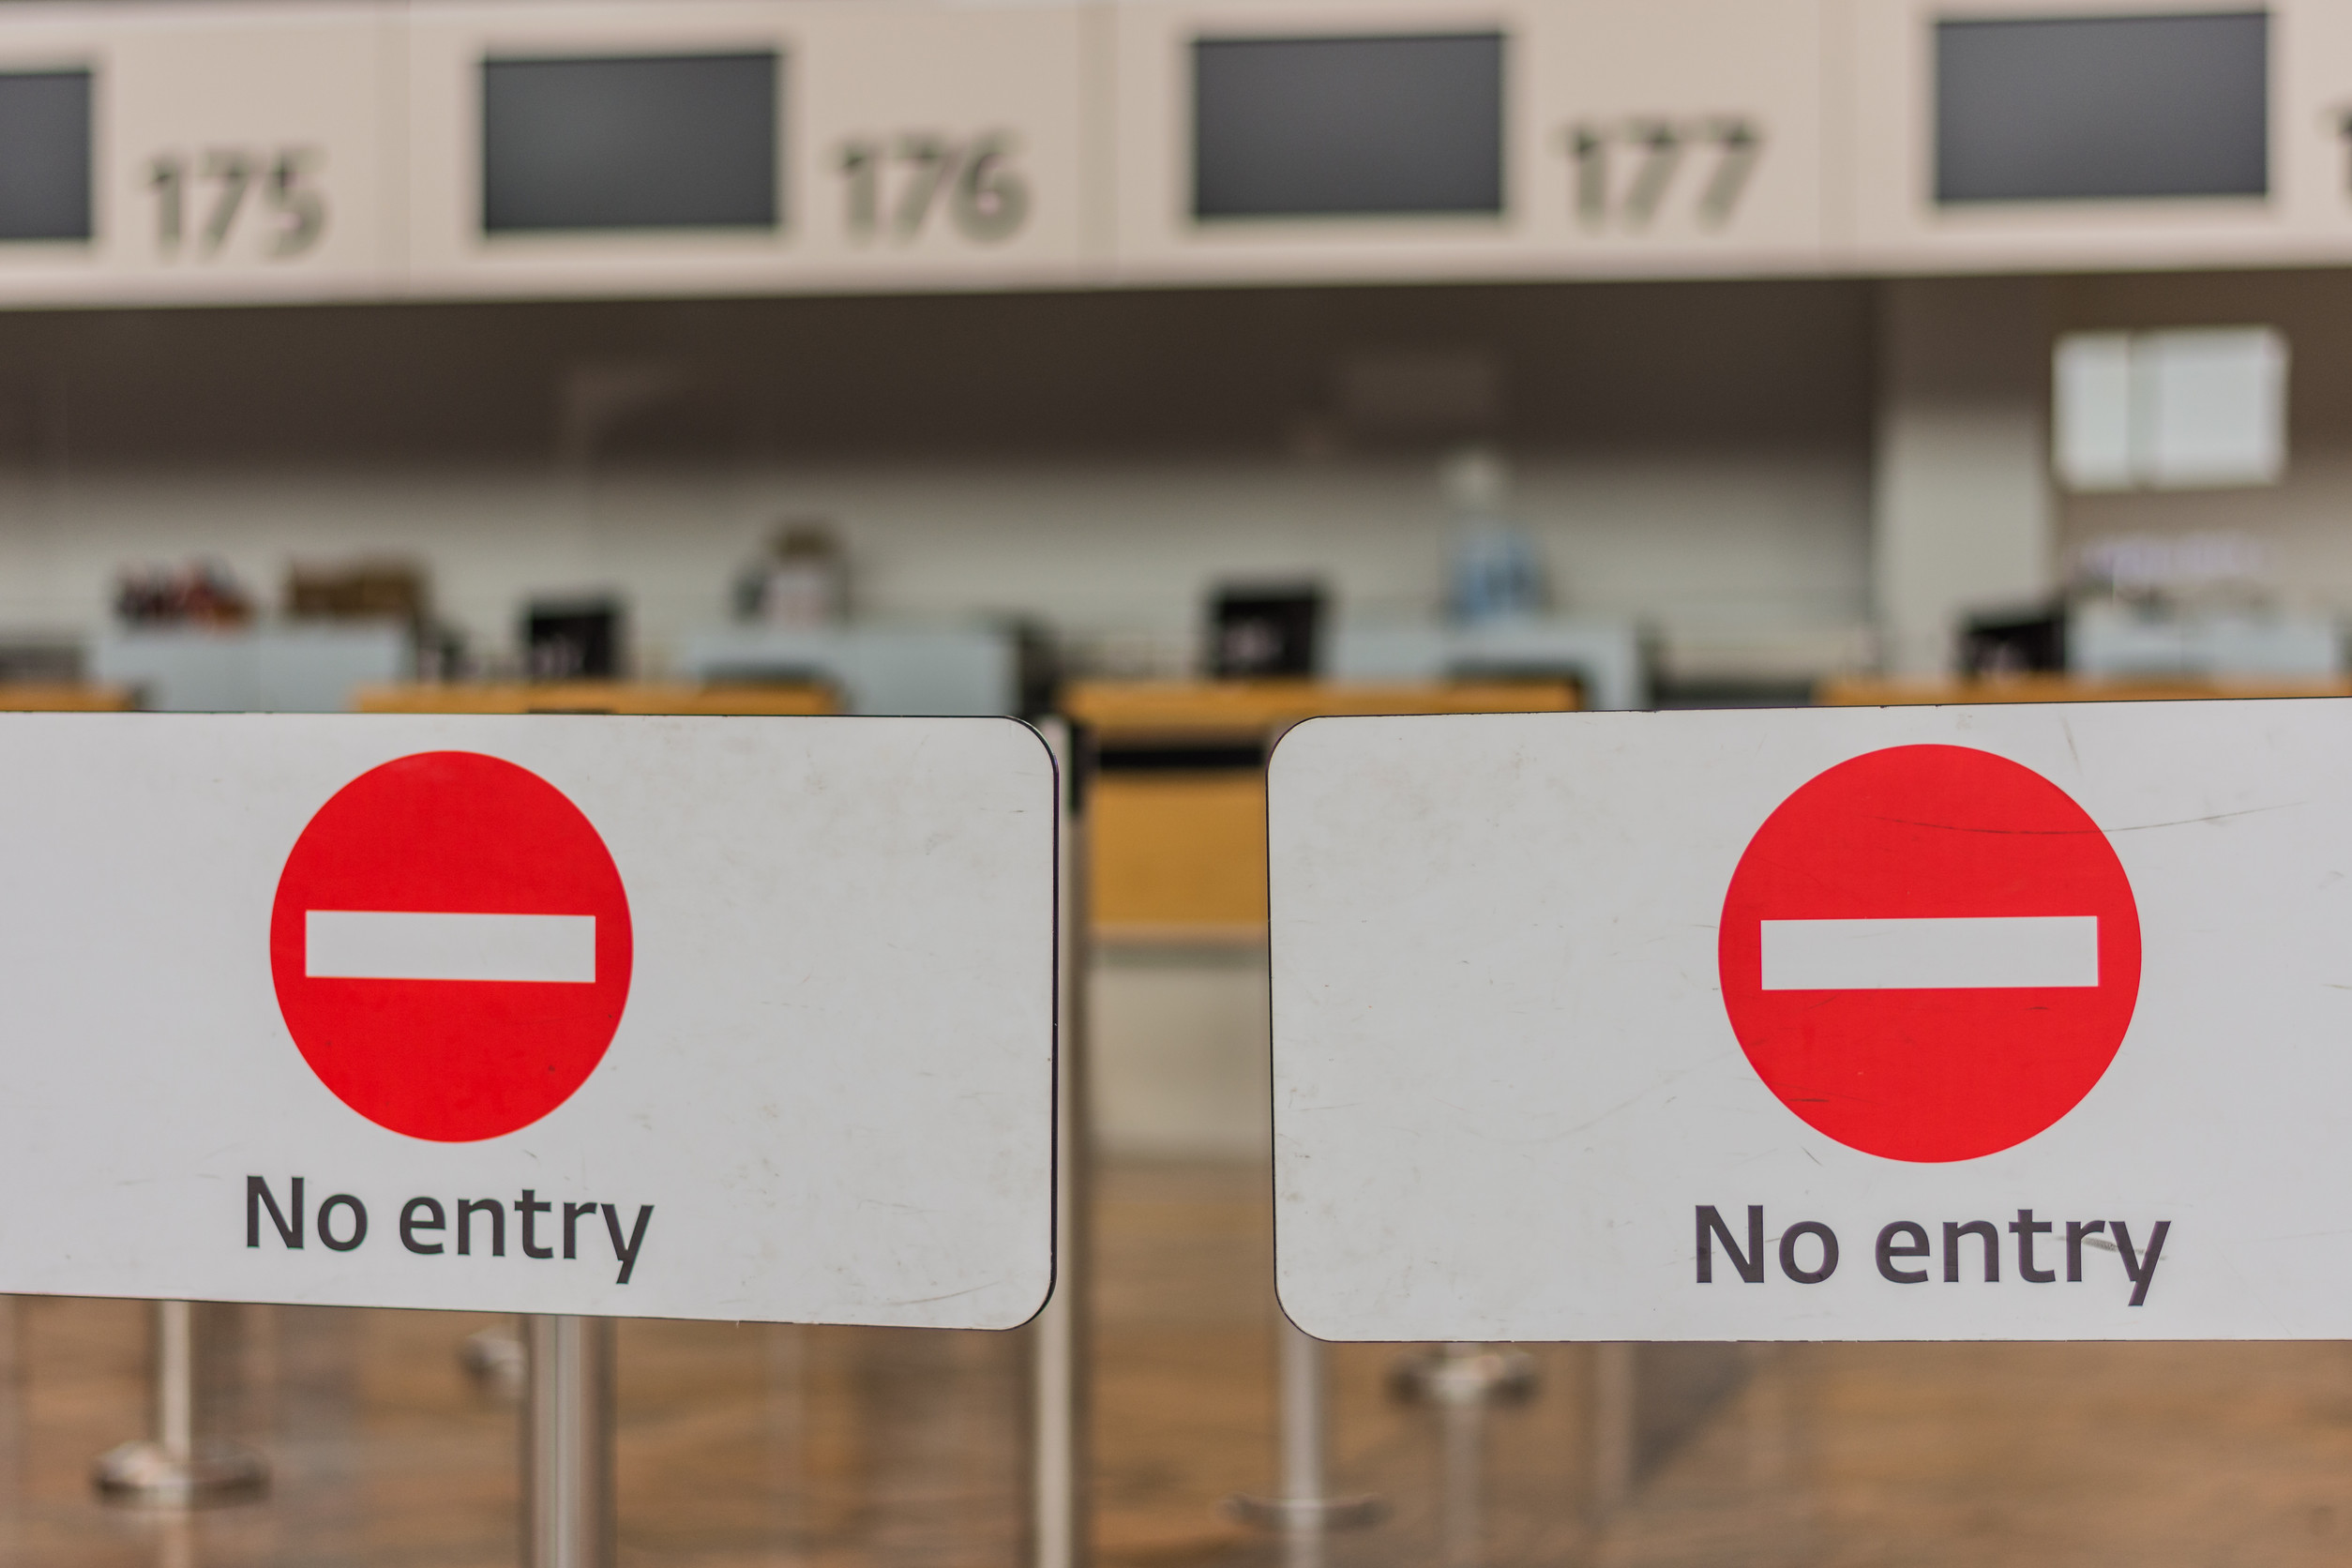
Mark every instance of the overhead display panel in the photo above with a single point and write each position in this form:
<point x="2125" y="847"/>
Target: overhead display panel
<point x="722" y="147"/>
<point x="2103" y="107"/>
<point x="1405" y="124"/>
<point x="201" y="152"/>
<point x="1350" y="138"/>
<point x="45" y="174"/>
<point x="630" y="142"/>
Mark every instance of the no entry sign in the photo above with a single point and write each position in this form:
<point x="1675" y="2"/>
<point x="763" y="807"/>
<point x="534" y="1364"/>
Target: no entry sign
<point x="1887" y="1024"/>
<point x="450" y="944"/>
<point x="720" y="1018"/>
<point x="1929" y="953"/>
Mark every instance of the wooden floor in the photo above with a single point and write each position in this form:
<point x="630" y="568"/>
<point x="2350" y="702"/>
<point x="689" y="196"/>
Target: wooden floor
<point x="762" y="1445"/>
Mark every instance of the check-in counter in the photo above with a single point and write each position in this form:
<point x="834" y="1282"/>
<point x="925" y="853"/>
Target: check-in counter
<point x="1178" y="807"/>
<point x="597" y="696"/>
<point x="1871" y="691"/>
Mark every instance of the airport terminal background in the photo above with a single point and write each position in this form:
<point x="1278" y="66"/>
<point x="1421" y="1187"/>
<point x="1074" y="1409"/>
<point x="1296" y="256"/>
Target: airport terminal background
<point x="1473" y="485"/>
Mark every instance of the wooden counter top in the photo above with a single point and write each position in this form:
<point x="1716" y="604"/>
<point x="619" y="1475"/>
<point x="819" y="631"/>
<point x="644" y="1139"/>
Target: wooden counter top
<point x="595" y="697"/>
<point x="1120" y="709"/>
<point x="1872" y="691"/>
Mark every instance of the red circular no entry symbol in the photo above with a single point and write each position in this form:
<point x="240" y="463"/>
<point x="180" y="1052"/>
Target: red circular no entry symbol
<point x="1930" y="953"/>
<point x="451" y="947"/>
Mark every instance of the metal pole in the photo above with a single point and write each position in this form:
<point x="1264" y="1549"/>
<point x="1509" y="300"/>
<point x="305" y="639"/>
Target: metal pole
<point x="567" y="1443"/>
<point x="1306" y="1412"/>
<point x="178" y="1466"/>
<point x="1462" y="1380"/>
<point x="1058" y="1469"/>
<point x="1614" y="1441"/>
<point x="1304" y="1509"/>
<point x="1461" y="1493"/>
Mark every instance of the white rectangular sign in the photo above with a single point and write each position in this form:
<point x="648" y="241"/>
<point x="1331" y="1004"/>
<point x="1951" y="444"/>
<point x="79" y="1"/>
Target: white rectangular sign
<point x="2013" y="1022"/>
<point x="694" y="1018"/>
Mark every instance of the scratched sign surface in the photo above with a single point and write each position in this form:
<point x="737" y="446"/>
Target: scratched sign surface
<point x="2010" y="1022"/>
<point x="693" y="1018"/>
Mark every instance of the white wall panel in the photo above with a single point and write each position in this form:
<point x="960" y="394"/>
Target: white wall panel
<point x="239" y="153"/>
<point x="1678" y="135"/>
<point x="925" y="144"/>
<point x="2310" y="67"/>
<point x="980" y="107"/>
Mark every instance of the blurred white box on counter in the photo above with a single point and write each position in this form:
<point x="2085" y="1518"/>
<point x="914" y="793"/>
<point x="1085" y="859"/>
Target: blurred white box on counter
<point x="2107" y="638"/>
<point x="1602" y="654"/>
<point x="928" y="671"/>
<point x="308" y="669"/>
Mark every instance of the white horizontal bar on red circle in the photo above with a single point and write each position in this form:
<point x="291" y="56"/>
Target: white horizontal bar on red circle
<point x="405" y="944"/>
<point x="1968" y="954"/>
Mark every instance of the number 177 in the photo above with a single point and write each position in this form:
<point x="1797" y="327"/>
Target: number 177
<point x="1658" y="144"/>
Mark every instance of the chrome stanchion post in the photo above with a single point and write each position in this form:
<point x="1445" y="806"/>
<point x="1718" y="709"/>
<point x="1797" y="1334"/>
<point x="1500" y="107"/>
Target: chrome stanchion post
<point x="1462" y="1378"/>
<point x="1462" y="1483"/>
<point x="180" y="1465"/>
<point x="1058" y="1452"/>
<point x="1304" y="1509"/>
<point x="567" y="1442"/>
<point x="1613" y="1438"/>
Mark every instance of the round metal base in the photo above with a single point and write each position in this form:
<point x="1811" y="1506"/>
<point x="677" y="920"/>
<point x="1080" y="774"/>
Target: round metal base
<point x="148" y="1473"/>
<point x="495" y="1362"/>
<point x="1466" y="1374"/>
<point x="1288" y="1514"/>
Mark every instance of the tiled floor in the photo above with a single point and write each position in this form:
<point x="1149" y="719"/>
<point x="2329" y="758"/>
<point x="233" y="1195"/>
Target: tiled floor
<point x="753" y="1445"/>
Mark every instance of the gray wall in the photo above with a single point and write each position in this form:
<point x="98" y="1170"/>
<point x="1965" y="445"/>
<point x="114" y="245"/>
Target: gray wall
<point x="1694" y="453"/>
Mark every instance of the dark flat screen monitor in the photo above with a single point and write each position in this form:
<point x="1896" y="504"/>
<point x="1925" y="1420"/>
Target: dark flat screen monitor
<point x="1265" y="631"/>
<point x="1396" y="126"/>
<point x="629" y="142"/>
<point x="45" y="155"/>
<point x="567" y="639"/>
<point x="2071" y="109"/>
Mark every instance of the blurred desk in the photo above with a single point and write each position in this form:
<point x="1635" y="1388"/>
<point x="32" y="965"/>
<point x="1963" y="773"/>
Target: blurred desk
<point x="30" y="697"/>
<point x="1869" y="691"/>
<point x="1178" y="803"/>
<point x="597" y="696"/>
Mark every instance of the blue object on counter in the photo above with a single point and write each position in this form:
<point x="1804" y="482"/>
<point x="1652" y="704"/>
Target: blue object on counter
<point x="1497" y="575"/>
